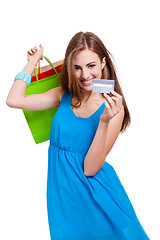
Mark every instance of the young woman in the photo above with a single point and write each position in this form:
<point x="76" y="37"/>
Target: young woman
<point x="85" y="197"/>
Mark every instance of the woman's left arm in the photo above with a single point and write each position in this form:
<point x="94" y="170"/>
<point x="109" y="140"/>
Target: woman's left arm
<point x="107" y="132"/>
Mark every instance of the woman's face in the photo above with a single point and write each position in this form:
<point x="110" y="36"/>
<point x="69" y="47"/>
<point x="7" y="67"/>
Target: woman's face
<point x="87" y="65"/>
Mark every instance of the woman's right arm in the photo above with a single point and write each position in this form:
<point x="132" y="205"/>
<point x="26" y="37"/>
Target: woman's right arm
<point x="17" y="96"/>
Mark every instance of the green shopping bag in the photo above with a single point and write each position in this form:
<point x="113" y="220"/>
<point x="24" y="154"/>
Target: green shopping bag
<point x="39" y="122"/>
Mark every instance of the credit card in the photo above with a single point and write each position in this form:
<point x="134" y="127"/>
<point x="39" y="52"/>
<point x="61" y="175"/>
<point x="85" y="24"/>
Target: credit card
<point x="102" y="85"/>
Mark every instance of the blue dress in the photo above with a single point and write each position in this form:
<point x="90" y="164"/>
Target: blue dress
<point x="81" y="207"/>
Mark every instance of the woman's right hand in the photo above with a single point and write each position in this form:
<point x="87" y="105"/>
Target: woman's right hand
<point x="35" y="54"/>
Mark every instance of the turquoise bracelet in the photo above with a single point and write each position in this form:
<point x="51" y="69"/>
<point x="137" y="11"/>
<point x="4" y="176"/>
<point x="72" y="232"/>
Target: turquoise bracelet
<point x="26" y="77"/>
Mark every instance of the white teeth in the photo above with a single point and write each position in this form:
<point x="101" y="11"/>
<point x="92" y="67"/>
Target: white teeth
<point x="87" y="81"/>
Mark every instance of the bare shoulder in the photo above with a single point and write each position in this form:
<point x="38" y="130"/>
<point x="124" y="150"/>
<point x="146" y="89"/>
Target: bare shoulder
<point x="60" y="92"/>
<point x="57" y="92"/>
<point x="53" y="97"/>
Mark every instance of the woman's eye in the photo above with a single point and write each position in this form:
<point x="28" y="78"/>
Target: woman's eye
<point x="92" y="65"/>
<point x="76" y="67"/>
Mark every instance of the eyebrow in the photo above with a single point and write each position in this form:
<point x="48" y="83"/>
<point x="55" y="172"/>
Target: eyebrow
<point x="86" y="65"/>
<point x="90" y="63"/>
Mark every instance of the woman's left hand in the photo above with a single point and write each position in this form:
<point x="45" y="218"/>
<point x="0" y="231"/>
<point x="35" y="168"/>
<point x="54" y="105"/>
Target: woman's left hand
<point x="112" y="107"/>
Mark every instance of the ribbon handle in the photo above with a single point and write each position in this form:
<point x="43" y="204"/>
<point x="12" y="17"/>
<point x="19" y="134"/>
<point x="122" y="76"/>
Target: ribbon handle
<point x="37" y="69"/>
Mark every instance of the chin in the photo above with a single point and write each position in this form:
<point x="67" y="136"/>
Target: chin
<point x="87" y="89"/>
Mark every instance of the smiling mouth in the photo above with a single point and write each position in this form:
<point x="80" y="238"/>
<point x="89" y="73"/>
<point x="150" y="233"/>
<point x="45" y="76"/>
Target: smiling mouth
<point x="86" y="82"/>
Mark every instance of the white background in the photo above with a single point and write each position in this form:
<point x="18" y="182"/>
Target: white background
<point x="130" y="31"/>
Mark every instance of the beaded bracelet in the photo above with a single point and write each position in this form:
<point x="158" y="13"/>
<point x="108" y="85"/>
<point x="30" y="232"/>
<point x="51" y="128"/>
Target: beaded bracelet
<point x="26" y="77"/>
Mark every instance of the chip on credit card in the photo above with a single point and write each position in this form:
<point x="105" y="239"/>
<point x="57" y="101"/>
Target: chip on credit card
<point x="102" y="85"/>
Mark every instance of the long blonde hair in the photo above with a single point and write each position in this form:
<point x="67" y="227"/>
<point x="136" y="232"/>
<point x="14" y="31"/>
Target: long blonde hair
<point x="68" y="81"/>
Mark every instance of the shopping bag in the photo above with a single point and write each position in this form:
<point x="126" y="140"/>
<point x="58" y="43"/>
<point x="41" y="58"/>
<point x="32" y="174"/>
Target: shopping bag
<point x="43" y="80"/>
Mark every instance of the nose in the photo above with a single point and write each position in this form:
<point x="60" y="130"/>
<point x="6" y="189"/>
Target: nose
<point x="85" y="74"/>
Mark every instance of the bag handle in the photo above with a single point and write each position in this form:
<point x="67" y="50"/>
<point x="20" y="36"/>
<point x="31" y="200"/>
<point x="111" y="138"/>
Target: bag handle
<point x="37" y="70"/>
